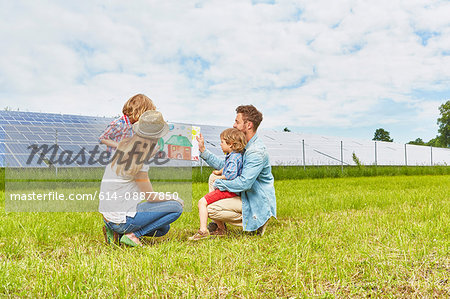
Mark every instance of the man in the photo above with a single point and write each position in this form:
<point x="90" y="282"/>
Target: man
<point x="257" y="203"/>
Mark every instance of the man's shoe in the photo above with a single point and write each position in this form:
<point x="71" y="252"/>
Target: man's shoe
<point x="260" y="231"/>
<point x="212" y="227"/>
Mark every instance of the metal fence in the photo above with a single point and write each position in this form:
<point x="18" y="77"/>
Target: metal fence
<point x="291" y="148"/>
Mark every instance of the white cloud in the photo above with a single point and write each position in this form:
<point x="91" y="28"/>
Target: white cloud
<point x="303" y="63"/>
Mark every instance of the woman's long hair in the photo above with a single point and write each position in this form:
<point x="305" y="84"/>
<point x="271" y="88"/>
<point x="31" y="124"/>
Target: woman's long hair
<point x="141" y="150"/>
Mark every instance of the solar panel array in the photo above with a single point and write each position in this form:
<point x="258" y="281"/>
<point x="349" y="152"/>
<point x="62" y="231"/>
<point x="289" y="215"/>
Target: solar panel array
<point x="292" y="148"/>
<point x="20" y="130"/>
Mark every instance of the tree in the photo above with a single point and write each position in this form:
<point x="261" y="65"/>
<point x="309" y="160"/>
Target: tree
<point x="444" y="124"/>
<point x="382" y="135"/>
<point x="435" y="142"/>
<point x="286" y="129"/>
<point x="418" y="141"/>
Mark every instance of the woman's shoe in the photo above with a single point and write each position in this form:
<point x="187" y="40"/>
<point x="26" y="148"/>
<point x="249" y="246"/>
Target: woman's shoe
<point x="110" y="235"/>
<point x="127" y="241"/>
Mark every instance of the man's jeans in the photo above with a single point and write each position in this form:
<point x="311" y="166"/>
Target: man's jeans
<point x="152" y="219"/>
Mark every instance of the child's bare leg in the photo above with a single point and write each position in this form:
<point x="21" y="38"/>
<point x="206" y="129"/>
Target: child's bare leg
<point x="203" y="214"/>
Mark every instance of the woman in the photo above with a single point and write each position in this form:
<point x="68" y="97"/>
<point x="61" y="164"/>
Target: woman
<point x="125" y="185"/>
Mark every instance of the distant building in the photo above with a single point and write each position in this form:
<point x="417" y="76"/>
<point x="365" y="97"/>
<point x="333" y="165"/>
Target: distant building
<point x="179" y="147"/>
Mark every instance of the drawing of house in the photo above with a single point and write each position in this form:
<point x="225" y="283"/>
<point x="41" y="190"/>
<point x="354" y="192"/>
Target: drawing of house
<point x="161" y="153"/>
<point x="179" y="147"/>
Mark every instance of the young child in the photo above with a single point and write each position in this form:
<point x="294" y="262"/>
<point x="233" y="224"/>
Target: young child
<point x="120" y="128"/>
<point x="232" y="142"/>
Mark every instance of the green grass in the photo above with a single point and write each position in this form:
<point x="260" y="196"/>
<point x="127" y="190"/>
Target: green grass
<point x="377" y="236"/>
<point x="320" y="172"/>
<point x="198" y="175"/>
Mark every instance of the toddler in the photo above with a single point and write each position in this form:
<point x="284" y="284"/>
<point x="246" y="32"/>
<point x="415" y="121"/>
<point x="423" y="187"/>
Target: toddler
<point x="120" y="128"/>
<point x="232" y="142"/>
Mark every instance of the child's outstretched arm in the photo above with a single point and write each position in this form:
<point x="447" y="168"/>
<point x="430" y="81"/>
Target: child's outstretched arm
<point x="111" y="131"/>
<point x="109" y="142"/>
<point x="211" y="159"/>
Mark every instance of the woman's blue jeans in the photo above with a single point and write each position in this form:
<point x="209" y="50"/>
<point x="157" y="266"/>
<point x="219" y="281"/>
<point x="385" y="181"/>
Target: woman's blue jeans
<point x="152" y="219"/>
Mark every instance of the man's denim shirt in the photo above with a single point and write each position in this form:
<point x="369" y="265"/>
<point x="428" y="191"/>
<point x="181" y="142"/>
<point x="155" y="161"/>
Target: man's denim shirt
<point x="255" y="184"/>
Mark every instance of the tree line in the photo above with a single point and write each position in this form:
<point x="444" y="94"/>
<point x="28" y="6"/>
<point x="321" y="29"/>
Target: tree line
<point x="441" y="140"/>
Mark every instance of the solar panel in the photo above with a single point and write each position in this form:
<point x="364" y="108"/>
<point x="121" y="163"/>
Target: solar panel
<point x="25" y="161"/>
<point x="19" y="130"/>
<point x="11" y="161"/>
<point x="17" y="148"/>
<point x="64" y="138"/>
<point x="75" y="148"/>
<point x="76" y="139"/>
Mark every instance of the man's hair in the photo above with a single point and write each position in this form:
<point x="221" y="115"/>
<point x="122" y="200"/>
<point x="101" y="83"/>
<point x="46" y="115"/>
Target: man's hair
<point x="251" y="114"/>
<point x="137" y="105"/>
<point x="235" y="139"/>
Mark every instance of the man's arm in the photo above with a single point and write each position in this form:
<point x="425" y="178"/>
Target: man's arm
<point x="253" y="166"/>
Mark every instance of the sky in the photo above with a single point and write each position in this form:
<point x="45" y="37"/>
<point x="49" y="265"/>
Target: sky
<point x="337" y="68"/>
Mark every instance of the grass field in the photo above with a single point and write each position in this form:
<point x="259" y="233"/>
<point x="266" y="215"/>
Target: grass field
<point x="199" y="175"/>
<point x="377" y="236"/>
